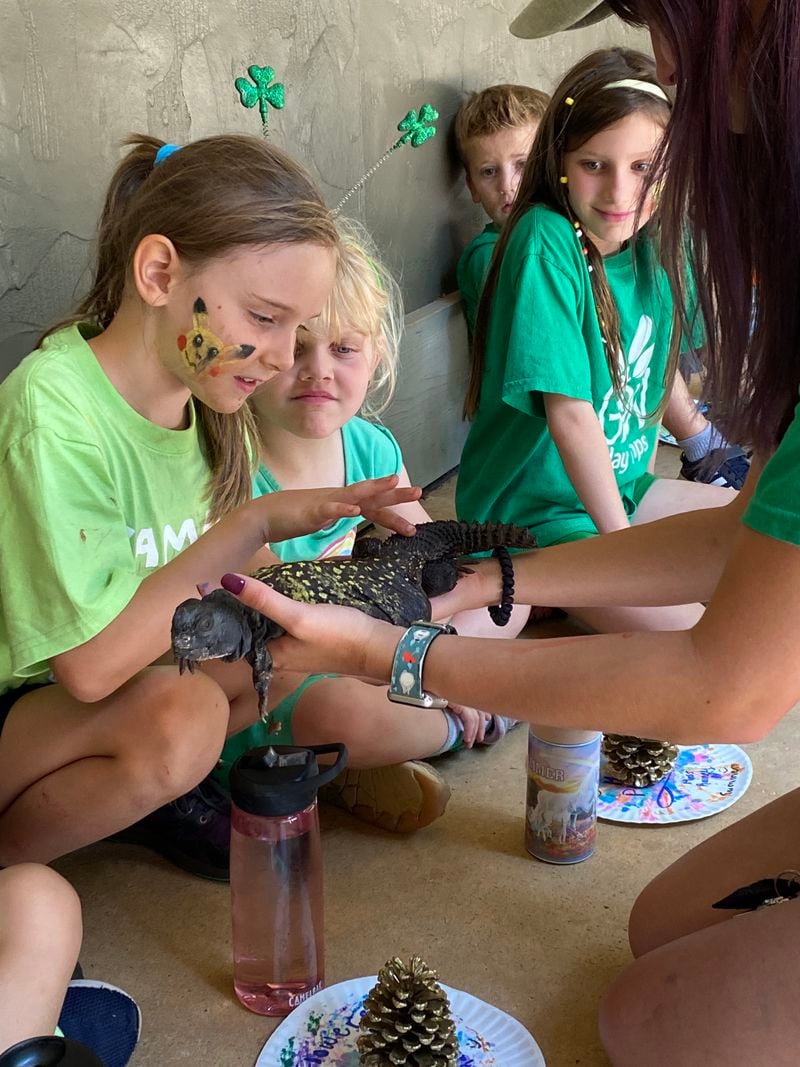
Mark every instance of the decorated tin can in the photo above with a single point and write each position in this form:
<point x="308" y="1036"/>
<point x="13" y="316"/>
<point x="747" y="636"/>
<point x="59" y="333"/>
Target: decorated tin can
<point x="561" y="811"/>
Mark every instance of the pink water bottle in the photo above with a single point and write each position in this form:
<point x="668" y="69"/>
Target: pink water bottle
<point x="276" y="875"/>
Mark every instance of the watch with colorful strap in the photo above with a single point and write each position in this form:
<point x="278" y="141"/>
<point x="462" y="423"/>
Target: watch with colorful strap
<point x="406" y="683"/>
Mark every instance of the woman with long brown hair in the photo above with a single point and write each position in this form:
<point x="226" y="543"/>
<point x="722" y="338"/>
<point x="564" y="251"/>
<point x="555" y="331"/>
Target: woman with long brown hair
<point x="709" y="987"/>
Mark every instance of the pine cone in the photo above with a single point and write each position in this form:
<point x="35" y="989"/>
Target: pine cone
<point x="407" y="1019"/>
<point x="638" y="761"/>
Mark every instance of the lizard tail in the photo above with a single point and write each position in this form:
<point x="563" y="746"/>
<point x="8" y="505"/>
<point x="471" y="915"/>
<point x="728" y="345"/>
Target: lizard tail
<point x="483" y="536"/>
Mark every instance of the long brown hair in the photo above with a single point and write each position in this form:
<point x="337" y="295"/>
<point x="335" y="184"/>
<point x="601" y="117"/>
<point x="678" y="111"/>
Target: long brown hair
<point x="564" y="128"/>
<point x="212" y="196"/>
<point x="738" y="196"/>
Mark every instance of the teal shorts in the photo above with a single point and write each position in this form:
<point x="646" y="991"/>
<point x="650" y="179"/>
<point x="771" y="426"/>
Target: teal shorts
<point x="259" y="733"/>
<point x="562" y="531"/>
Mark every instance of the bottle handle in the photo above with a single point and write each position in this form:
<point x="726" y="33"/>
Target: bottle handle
<point x="329" y="773"/>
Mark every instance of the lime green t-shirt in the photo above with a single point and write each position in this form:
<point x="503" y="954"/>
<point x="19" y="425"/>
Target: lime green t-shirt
<point x="473" y="266"/>
<point x="544" y="337"/>
<point x="95" y="497"/>
<point x="775" y="507"/>
<point x="370" y="451"/>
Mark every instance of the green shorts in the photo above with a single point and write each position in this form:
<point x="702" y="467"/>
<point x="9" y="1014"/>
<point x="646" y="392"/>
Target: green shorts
<point x="580" y="527"/>
<point x="258" y="734"/>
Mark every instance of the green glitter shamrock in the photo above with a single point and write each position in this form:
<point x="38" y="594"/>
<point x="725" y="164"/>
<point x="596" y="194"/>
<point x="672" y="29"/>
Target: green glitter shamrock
<point x="416" y="129"/>
<point x="261" y="92"/>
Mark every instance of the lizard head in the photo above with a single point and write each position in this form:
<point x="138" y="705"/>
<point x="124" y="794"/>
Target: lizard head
<point x="216" y="627"/>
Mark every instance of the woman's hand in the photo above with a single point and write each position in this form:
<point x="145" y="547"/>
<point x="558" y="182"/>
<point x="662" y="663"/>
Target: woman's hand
<point x="294" y="512"/>
<point x="320" y="638"/>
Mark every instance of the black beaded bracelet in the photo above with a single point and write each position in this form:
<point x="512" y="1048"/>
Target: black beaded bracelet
<point x="501" y="613"/>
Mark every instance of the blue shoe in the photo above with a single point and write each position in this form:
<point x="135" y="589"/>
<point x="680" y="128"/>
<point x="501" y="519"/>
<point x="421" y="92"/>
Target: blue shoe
<point x="726" y="467"/>
<point x="102" y="1017"/>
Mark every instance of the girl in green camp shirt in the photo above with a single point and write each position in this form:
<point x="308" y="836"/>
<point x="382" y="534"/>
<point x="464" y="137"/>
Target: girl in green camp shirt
<point x="572" y="349"/>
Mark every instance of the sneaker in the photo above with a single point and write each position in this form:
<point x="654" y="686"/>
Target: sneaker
<point x="497" y="729"/>
<point x="727" y="467"/>
<point x="103" y="1018"/>
<point x="193" y="832"/>
<point x="400" y="798"/>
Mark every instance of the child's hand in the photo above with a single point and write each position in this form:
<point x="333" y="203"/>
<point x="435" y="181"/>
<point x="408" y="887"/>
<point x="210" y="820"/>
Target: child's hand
<point x="320" y="638"/>
<point x="294" y="512"/>
<point x="473" y="721"/>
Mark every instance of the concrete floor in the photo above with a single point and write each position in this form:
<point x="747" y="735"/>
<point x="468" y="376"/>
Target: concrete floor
<point x="541" y="942"/>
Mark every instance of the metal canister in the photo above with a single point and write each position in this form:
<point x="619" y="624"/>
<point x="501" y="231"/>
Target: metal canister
<point x="561" y="810"/>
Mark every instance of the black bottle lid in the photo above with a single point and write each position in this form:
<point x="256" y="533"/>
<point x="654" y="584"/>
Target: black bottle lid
<point x="49" y="1052"/>
<point x="281" y="779"/>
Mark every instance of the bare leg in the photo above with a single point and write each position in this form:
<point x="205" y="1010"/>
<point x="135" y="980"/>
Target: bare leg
<point x="40" y="937"/>
<point x="73" y="773"/>
<point x="713" y="987"/>
<point x="376" y="731"/>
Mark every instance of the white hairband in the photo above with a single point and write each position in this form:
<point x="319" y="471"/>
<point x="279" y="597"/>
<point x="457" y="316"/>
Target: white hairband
<point x="642" y="86"/>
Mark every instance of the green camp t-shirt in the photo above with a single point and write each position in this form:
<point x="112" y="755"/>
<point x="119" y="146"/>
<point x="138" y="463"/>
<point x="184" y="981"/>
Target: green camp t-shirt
<point x="775" y="507"/>
<point x="370" y="451"/>
<point x="544" y="337"/>
<point x="473" y="266"/>
<point x="95" y="498"/>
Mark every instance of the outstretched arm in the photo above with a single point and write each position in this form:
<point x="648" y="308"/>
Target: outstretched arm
<point x="141" y="632"/>
<point x="677" y="560"/>
<point x="731" y="678"/>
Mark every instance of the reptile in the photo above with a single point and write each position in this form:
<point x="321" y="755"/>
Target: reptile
<point x="391" y="580"/>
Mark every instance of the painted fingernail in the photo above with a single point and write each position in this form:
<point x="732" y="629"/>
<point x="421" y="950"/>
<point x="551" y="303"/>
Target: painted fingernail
<point x="233" y="583"/>
<point x="203" y="587"/>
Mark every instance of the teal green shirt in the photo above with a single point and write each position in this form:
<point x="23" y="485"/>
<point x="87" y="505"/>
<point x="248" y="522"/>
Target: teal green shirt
<point x="94" y="498"/>
<point x="370" y="451"/>
<point x="473" y="266"/>
<point x="544" y="337"/>
<point x="775" y="507"/>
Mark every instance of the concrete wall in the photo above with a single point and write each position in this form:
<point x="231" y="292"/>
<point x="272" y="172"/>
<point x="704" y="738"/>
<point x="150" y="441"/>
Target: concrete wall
<point x="77" y="75"/>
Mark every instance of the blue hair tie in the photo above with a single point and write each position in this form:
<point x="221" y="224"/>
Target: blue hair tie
<point x="164" y="152"/>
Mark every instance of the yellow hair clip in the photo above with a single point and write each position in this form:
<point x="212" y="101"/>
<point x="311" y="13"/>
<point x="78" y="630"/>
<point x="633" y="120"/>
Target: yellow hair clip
<point x="569" y="101"/>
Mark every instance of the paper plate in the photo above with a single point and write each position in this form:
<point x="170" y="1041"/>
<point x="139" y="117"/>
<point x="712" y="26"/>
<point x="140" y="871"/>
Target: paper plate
<point x="324" y="1030"/>
<point x="705" y="780"/>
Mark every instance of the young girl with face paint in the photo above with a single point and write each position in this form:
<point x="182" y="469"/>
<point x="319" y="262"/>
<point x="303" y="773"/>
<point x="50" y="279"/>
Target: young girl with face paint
<point x="123" y="438"/>
<point x="312" y="433"/>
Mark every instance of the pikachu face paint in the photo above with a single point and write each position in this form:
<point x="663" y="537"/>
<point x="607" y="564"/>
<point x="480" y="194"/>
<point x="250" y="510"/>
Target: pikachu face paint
<point x="203" y="352"/>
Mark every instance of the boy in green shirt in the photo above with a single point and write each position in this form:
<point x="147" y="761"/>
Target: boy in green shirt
<point x="494" y="132"/>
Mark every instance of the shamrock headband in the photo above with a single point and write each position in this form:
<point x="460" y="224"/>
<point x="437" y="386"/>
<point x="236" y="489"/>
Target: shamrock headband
<point x="415" y="128"/>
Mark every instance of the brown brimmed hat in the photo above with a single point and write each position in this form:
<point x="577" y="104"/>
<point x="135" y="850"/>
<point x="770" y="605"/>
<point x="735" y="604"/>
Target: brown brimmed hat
<point x="541" y="18"/>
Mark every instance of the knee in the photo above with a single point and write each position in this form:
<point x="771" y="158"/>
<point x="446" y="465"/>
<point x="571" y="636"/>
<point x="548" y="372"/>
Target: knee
<point x="41" y="909"/>
<point x="618" y="1021"/>
<point x="184" y="731"/>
